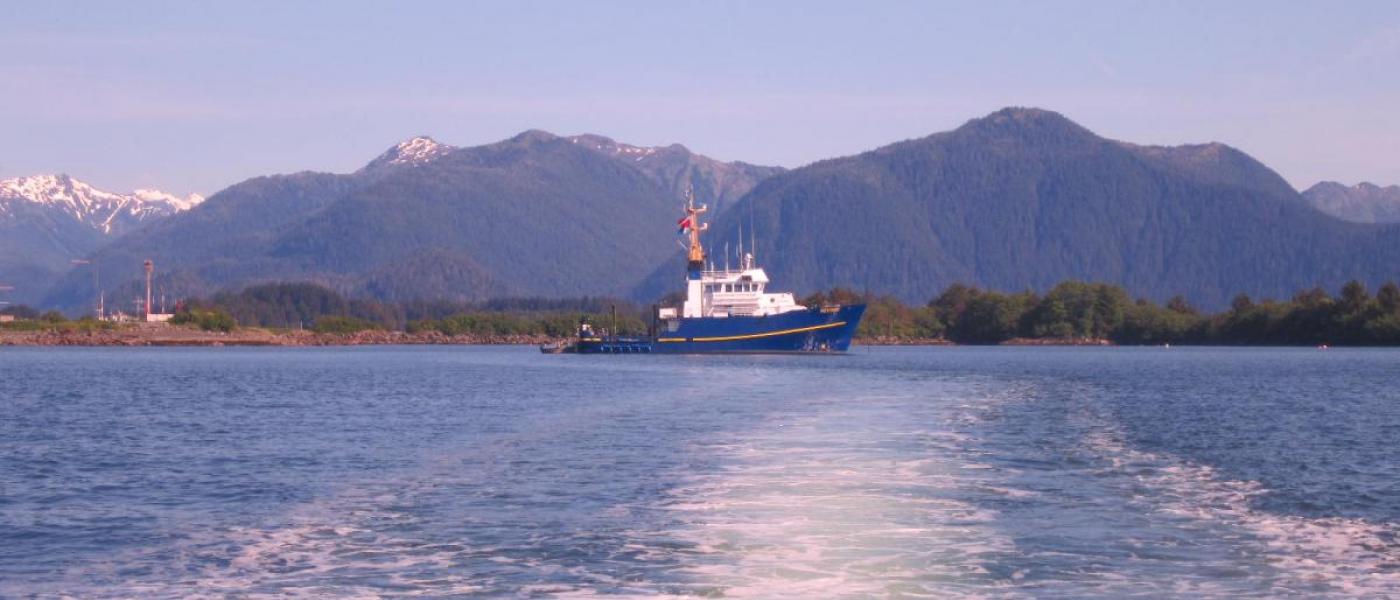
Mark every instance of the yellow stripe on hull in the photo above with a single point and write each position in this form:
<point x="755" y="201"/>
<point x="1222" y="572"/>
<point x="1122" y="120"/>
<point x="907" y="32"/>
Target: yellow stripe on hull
<point x="753" y="335"/>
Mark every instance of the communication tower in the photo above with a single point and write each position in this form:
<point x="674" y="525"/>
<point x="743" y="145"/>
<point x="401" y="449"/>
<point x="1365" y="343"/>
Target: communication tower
<point x="150" y="268"/>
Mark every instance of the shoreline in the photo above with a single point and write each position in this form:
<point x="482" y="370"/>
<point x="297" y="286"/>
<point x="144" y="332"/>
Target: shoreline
<point x="177" y="336"/>
<point x="249" y="336"/>
<point x="181" y="336"/>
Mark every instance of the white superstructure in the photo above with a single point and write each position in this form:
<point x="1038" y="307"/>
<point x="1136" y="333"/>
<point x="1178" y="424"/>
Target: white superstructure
<point x="737" y="292"/>
<point x="711" y="292"/>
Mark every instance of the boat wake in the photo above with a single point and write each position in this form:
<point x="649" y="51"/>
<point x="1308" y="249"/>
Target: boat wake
<point x="1305" y="556"/>
<point x="933" y="486"/>
<point x="858" y="500"/>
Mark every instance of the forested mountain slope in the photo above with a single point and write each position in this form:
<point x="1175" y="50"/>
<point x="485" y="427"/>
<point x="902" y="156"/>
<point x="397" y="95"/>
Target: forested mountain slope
<point x="1024" y="198"/>
<point x="537" y="214"/>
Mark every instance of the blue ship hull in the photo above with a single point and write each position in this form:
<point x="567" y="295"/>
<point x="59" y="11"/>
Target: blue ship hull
<point x="815" y="330"/>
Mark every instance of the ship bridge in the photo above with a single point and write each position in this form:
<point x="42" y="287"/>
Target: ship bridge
<point x="732" y="293"/>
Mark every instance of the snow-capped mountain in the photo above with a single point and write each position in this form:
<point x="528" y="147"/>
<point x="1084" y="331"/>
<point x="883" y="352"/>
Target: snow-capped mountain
<point x="413" y="151"/>
<point x="1362" y="203"/>
<point x="678" y="169"/>
<point x="49" y="221"/>
<point x="609" y="146"/>
<point x="106" y="212"/>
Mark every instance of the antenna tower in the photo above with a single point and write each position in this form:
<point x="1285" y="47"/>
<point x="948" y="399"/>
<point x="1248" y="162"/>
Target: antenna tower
<point x="150" y="268"/>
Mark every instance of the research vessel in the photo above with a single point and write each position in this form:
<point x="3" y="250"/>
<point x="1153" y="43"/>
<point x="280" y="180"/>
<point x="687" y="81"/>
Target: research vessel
<point x="727" y="311"/>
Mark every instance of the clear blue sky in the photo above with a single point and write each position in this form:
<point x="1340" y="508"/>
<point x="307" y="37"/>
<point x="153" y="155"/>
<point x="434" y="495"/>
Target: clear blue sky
<point x="191" y="98"/>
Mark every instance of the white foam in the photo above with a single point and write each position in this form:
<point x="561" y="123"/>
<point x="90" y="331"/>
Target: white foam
<point x="308" y="560"/>
<point x="885" y="497"/>
<point x="1312" y="555"/>
<point x="836" y="505"/>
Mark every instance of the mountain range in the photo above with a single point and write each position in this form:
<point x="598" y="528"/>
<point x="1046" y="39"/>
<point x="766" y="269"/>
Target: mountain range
<point x="537" y="214"/>
<point x="1019" y="199"/>
<point x="1361" y="203"/>
<point x="678" y="169"/>
<point x="47" y="221"/>
<point x="1024" y="198"/>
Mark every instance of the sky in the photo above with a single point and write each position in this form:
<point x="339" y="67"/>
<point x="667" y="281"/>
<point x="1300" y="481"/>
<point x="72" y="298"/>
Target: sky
<point x="193" y="97"/>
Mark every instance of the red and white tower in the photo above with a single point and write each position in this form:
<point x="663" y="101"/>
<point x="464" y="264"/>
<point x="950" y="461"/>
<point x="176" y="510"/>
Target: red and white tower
<point x="150" y="268"/>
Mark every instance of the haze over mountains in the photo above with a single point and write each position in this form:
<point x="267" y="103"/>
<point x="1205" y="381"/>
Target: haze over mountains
<point x="1019" y="199"/>
<point x="46" y="221"/>
<point x="1361" y="203"/>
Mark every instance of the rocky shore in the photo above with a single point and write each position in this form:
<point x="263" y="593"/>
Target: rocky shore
<point x="182" y="336"/>
<point x="1057" y="342"/>
<point x="883" y="340"/>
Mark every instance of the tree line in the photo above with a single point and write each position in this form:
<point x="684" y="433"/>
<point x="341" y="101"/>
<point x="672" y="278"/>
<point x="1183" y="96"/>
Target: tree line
<point x="313" y="307"/>
<point x="1072" y="311"/>
<point x="1078" y="311"/>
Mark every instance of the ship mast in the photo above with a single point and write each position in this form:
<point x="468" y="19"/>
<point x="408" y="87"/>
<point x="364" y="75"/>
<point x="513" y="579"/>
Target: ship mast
<point x="695" y="261"/>
<point x="694" y="306"/>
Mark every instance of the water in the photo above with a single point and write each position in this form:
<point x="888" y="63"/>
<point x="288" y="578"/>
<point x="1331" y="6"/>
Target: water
<point x="914" y="472"/>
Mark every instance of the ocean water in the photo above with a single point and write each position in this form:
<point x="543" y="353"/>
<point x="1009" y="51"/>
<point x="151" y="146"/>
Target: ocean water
<point x="889" y="472"/>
